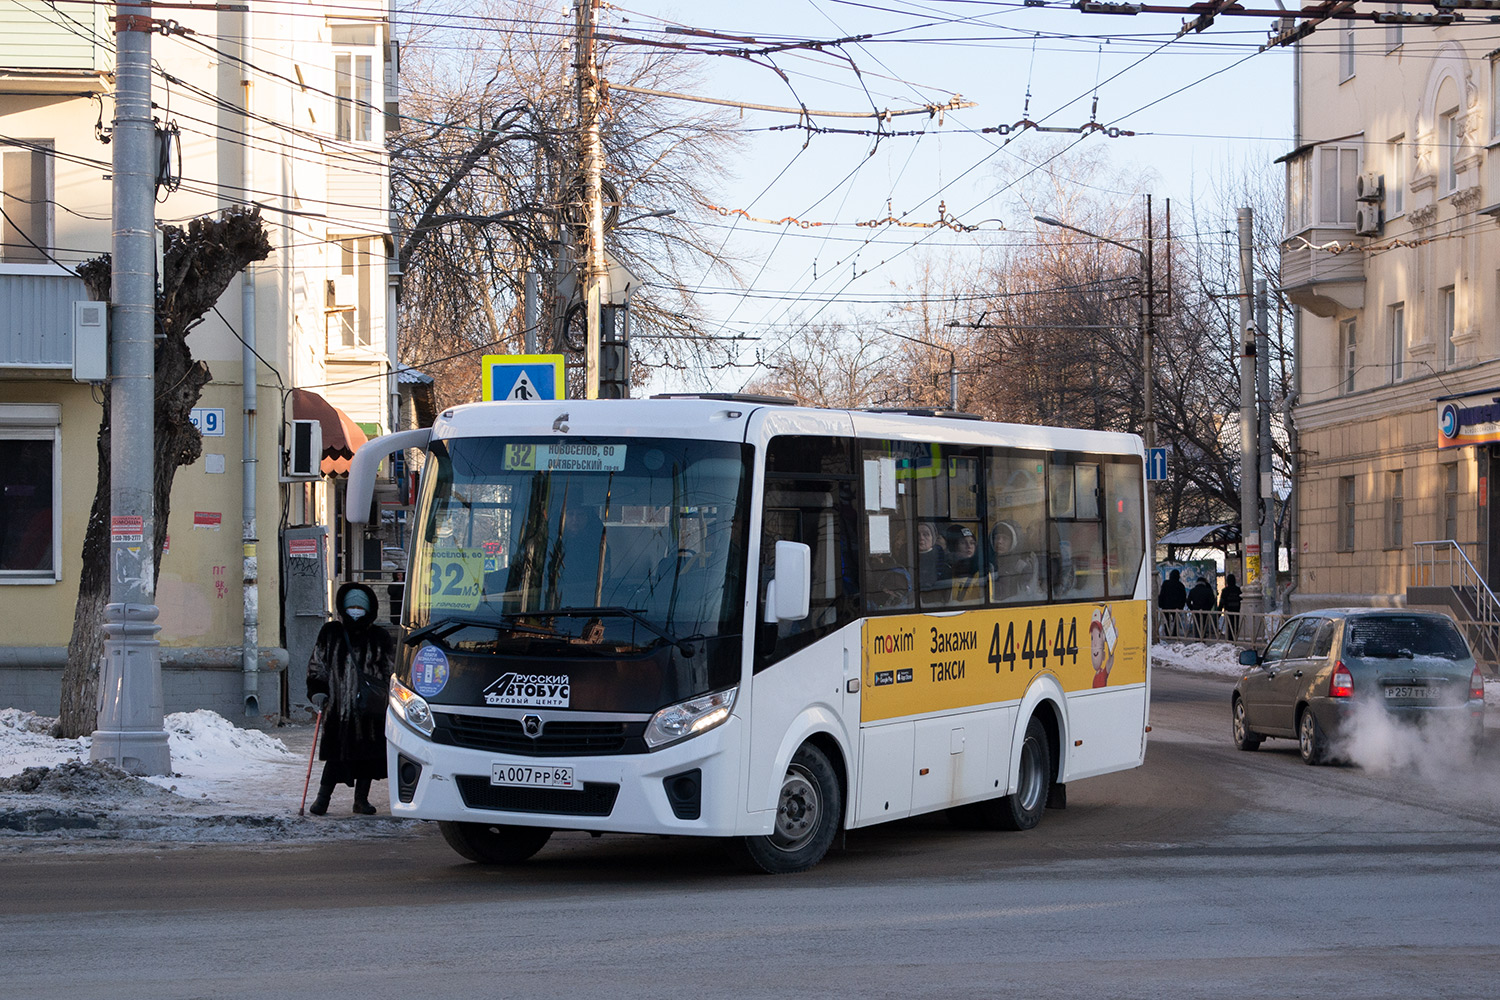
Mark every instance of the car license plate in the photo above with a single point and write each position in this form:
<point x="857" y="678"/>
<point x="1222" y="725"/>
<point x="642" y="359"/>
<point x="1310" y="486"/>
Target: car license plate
<point x="1408" y="692"/>
<point x="528" y="776"/>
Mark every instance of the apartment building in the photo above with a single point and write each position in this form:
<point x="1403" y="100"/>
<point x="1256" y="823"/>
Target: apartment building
<point x="277" y="105"/>
<point x="1392" y="253"/>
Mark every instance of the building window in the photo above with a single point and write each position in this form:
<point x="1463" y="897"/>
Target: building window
<point x="1298" y="193"/>
<point x="1398" y="341"/>
<point x="1346" y="51"/>
<point x="354" y="81"/>
<point x="1395" y="178"/>
<point x="1338" y="172"/>
<point x="1495" y="95"/>
<point x="1348" y="342"/>
<point x="1346" y="514"/>
<point x="1393" y="31"/>
<point x="30" y="493"/>
<point x="1449" y="299"/>
<point x="1450" y="501"/>
<point x="349" y="311"/>
<point x="1395" y="510"/>
<point x="1449" y="138"/>
<point x="26" y="200"/>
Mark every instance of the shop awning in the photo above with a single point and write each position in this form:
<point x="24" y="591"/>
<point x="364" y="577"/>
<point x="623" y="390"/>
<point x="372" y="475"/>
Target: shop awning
<point x="341" y="435"/>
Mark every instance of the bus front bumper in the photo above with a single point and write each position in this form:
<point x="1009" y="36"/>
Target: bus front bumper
<point x="619" y="793"/>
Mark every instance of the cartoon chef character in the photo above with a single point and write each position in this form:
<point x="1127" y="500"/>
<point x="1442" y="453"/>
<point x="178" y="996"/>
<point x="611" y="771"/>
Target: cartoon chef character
<point x="1102" y="636"/>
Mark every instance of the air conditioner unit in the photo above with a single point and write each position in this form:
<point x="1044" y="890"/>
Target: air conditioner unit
<point x="1370" y="187"/>
<point x="1368" y="219"/>
<point x="306" y="458"/>
<point x="343" y="291"/>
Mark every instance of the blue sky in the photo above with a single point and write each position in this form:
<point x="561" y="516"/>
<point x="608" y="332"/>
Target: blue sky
<point x="1200" y="106"/>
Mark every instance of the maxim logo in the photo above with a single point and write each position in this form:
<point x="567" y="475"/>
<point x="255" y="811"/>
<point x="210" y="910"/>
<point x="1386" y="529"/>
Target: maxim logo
<point x="895" y="642"/>
<point x="529" y="691"/>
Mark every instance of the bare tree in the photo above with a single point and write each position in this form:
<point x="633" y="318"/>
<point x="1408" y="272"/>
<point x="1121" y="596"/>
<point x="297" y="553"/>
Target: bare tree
<point x="199" y="263"/>
<point x="487" y="185"/>
<point x="831" y="364"/>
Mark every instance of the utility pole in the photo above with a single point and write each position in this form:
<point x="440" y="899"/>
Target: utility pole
<point x="1249" y="465"/>
<point x="1148" y="335"/>
<point x="587" y="14"/>
<point x="130" y="733"/>
<point x="1269" y="548"/>
<point x="250" y="376"/>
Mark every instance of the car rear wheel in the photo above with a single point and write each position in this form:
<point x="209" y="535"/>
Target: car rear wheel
<point x="1311" y="742"/>
<point x="1244" y="738"/>
<point x="494" y="843"/>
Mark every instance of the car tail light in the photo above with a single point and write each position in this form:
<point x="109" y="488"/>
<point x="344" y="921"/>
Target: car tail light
<point x="1341" y="684"/>
<point x="1476" y="685"/>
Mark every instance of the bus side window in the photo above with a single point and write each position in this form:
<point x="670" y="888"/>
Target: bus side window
<point x="887" y="535"/>
<point x="1016" y="518"/>
<point x="1077" y="566"/>
<point x="1123" y="503"/>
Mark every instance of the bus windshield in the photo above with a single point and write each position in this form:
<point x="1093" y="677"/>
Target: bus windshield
<point x="598" y="544"/>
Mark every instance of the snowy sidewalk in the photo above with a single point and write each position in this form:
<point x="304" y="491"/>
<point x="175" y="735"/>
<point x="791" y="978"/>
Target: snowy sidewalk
<point x="229" y="784"/>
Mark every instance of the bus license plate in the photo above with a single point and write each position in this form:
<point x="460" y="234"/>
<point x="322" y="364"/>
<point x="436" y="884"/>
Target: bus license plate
<point x="1410" y="692"/>
<point x="532" y="777"/>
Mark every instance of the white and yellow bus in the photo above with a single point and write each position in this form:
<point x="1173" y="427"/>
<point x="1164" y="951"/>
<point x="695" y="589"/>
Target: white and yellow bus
<point x="730" y="617"/>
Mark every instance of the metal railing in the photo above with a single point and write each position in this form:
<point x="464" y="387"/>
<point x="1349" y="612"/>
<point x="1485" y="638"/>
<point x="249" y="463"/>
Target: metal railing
<point x="1443" y="564"/>
<point x="1239" y="627"/>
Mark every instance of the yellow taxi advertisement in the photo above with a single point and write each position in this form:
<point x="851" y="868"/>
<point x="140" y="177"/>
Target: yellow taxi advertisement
<point x="916" y="664"/>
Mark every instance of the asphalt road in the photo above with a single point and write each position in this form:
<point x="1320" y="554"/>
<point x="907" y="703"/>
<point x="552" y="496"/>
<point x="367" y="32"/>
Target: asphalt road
<point x="1206" y="872"/>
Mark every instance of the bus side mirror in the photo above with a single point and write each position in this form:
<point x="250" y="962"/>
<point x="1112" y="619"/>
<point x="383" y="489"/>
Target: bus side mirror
<point x="360" y="490"/>
<point x="789" y="594"/>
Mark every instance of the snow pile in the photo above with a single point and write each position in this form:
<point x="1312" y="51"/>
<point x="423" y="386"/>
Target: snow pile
<point x="1222" y="658"/>
<point x="228" y="784"/>
<point x="25" y="741"/>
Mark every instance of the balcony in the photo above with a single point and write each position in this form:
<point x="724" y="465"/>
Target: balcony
<point x="1323" y="282"/>
<point x="36" y="316"/>
<point x="61" y="47"/>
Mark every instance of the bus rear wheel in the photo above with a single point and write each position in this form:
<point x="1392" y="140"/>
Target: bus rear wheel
<point x="808" y="811"/>
<point x="1022" y="809"/>
<point x="494" y="843"/>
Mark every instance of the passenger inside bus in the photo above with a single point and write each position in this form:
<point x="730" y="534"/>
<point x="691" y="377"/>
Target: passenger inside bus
<point x="1012" y="571"/>
<point x="964" y="561"/>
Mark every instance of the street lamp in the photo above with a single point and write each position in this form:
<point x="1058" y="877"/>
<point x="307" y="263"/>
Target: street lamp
<point x="952" y="364"/>
<point x="1147" y="319"/>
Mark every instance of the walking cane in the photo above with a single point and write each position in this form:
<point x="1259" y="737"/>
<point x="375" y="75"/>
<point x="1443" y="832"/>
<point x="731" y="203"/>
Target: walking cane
<point x="317" y="724"/>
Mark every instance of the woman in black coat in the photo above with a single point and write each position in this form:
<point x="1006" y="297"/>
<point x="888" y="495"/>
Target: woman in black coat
<point x="347" y="679"/>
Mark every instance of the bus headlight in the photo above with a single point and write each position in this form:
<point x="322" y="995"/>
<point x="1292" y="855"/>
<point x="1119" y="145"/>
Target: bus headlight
<point x="689" y="718"/>
<point x="410" y="707"/>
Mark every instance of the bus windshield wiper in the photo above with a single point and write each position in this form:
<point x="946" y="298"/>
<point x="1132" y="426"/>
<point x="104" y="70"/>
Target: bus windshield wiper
<point x="683" y="646"/>
<point x="446" y="626"/>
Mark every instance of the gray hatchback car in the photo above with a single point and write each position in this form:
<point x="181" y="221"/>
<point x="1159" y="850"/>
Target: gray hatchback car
<point x="1322" y="665"/>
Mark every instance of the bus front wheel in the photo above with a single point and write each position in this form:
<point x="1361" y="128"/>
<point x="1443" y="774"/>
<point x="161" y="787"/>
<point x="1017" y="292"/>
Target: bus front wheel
<point x="1022" y="809"/>
<point x="808" y="810"/>
<point x="494" y="843"/>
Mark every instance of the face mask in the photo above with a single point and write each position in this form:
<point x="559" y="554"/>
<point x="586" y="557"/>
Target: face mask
<point x="355" y="613"/>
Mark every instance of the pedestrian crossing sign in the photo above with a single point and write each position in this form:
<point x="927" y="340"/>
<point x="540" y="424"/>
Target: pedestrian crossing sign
<point x="522" y="377"/>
